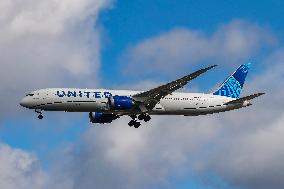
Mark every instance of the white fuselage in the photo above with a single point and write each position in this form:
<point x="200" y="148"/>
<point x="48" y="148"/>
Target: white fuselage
<point x="96" y="100"/>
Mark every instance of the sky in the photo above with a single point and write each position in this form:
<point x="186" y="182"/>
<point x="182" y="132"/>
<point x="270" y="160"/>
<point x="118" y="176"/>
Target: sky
<point x="124" y="44"/>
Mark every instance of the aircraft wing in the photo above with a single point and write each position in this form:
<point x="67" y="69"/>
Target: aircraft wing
<point x="243" y="99"/>
<point x="147" y="100"/>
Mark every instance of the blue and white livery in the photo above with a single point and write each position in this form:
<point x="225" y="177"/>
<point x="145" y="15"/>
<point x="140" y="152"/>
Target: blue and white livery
<point x="104" y="105"/>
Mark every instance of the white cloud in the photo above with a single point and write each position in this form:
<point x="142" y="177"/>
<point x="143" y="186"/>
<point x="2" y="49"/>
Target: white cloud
<point x="122" y="157"/>
<point x="47" y="17"/>
<point x="19" y="169"/>
<point x="48" y="44"/>
<point x="232" y="44"/>
<point x="253" y="159"/>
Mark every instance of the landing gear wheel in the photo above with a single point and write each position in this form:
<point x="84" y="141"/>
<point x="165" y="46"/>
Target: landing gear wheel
<point x="144" y="117"/>
<point x="141" y="116"/>
<point x="133" y="117"/>
<point x="147" y="118"/>
<point x="40" y="116"/>
<point x="137" y="124"/>
<point x="131" y="123"/>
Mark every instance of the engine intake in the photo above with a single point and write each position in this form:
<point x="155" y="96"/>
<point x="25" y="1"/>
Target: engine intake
<point x="121" y="102"/>
<point x="99" y="117"/>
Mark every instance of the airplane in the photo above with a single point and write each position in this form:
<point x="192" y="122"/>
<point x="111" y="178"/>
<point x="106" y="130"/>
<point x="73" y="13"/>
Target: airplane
<point x="105" y="106"/>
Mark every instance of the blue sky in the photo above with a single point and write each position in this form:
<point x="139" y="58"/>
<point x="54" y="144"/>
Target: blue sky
<point x="129" y="22"/>
<point x="132" y="44"/>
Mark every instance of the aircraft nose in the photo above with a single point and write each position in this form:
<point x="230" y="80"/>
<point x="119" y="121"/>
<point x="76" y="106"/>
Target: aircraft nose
<point x="24" y="102"/>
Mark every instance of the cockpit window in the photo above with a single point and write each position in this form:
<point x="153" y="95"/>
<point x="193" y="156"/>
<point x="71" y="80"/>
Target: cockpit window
<point x="30" y="95"/>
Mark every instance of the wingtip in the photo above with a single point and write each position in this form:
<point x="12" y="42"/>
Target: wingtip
<point x="261" y="94"/>
<point x="213" y="66"/>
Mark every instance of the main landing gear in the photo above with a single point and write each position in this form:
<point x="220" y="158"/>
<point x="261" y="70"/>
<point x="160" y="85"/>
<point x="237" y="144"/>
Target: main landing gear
<point x="134" y="122"/>
<point x="40" y="116"/>
<point x="144" y="117"/>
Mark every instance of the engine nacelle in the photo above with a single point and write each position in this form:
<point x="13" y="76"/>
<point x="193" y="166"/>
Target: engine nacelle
<point x="99" y="117"/>
<point x="120" y="102"/>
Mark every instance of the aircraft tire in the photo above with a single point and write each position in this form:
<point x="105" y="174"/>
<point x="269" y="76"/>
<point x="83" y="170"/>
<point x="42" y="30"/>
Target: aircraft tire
<point x="137" y="124"/>
<point x="131" y="123"/>
<point x="147" y="118"/>
<point x="141" y="117"/>
<point x="40" y="116"/>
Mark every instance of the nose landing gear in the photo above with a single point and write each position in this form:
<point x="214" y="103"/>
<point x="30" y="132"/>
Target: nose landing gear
<point x="40" y="116"/>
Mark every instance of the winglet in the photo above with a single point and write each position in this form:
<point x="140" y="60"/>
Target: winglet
<point x="199" y="72"/>
<point x="210" y="67"/>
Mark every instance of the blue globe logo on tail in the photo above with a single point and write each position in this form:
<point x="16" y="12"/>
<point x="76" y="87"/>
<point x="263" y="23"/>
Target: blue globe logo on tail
<point x="233" y="85"/>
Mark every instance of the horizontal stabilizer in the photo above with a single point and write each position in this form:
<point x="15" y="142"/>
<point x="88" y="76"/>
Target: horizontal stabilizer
<point x="243" y="99"/>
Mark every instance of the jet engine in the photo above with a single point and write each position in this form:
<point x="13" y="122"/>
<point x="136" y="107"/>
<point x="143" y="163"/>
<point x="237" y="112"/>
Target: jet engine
<point x="99" y="117"/>
<point x="120" y="102"/>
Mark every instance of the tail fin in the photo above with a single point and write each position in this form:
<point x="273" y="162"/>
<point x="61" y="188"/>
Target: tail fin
<point x="233" y="85"/>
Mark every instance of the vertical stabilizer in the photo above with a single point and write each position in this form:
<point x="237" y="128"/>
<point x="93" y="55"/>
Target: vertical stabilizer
<point x="233" y="85"/>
